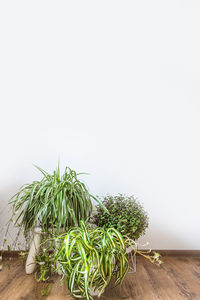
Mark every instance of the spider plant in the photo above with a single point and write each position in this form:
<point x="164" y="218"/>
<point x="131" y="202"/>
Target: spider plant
<point x="57" y="201"/>
<point x="90" y="257"/>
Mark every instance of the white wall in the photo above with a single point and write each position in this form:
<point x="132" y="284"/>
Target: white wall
<point x="112" y="88"/>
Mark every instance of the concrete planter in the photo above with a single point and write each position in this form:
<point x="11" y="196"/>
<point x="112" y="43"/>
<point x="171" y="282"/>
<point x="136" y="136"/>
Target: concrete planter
<point x="34" y="250"/>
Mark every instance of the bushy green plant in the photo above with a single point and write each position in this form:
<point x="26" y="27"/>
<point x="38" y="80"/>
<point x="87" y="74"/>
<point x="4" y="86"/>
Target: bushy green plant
<point x="89" y="258"/>
<point x="126" y="214"/>
<point x="55" y="201"/>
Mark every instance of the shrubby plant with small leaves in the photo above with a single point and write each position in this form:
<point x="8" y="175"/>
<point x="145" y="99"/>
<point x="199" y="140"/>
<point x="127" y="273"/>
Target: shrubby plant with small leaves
<point x="126" y="214"/>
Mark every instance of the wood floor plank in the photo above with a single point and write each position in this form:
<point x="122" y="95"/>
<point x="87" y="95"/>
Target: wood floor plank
<point x="189" y="271"/>
<point x="185" y="289"/>
<point x="178" y="278"/>
<point x="9" y="272"/>
<point x="162" y="284"/>
<point x="59" y="291"/>
<point x="138" y="285"/>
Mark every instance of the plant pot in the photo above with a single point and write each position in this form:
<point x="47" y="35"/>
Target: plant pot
<point x="94" y="292"/>
<point x="129" y="250"/>
<point x="34" y="249"/>
<point x="132" y="259"/>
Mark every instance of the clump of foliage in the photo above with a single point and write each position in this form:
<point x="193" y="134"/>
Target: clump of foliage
<point x="90" y="257"/>
<point x="58" y="201"/>
<point x="126" y="214"/>
<point x="46" y="266"/>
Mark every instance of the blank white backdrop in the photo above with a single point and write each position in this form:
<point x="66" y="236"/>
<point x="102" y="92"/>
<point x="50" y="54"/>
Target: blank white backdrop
<point x="113" y="89"/>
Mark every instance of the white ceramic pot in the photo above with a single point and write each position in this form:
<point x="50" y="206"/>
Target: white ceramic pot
<point x="34" y="249"/>
<point x="94" y="293"/>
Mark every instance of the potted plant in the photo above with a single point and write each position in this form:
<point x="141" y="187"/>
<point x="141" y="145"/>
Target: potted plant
<point x="50" y="205"/>
<point x="89" y="257"/>
<point x="124" y="213"/>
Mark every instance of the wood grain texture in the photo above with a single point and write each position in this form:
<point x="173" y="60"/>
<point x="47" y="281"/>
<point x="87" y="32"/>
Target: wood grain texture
<point x="178" y="278"/>
<point x="7" y="254"/>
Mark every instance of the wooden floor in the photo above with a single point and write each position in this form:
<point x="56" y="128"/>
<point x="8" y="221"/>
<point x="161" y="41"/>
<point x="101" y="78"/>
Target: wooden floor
<point x="177" y="278"/>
